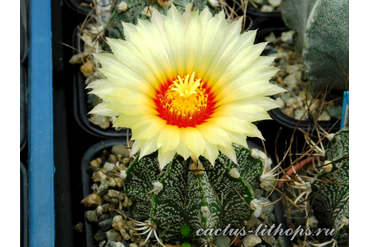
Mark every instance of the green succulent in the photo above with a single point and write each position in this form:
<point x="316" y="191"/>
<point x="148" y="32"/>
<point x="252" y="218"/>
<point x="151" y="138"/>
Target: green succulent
<point x="331" y="200"/>
<point x="322" y="38"/>
<point x="200" y="196"/>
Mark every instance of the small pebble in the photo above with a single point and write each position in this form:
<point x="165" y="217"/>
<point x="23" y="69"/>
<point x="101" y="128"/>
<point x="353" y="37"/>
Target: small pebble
<point x="267" y="8"/>
<point x="324" y="116"/>
<point x="251" y="240"/>
<point x="99" y="236"/>
<point x="122" y="150"/>
<point x="222" y="241"/>
<point x="112" y="235"/>
<point x="92" y="200"/>
<point x="79" y="227"/>
<point x="313" y="222"/>
<point x="87" y="68"/>
<point x="92" y="216"/>
<point x="275" y="3"/>
<point x="105" y="225"/>
<point x="101" y="121"/>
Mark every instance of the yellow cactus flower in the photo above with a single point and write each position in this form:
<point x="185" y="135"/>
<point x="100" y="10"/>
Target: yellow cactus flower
<point x="189" y="84"/>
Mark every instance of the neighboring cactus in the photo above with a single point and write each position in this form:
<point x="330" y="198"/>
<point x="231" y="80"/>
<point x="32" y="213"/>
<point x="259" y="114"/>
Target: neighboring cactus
<point x="207" y="197"/>
<point x="137" y="9"/>
<point x="322" y="38"/>
<point x="331" y="202"/>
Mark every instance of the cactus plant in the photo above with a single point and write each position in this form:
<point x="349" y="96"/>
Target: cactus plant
<point x="136" y="9"/>
<point x="331" y="202"/>
<point x="200" y="196"/>
<point x="322" y="38"/>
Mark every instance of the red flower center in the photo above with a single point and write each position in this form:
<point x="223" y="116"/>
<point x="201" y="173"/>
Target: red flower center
<point x="185" y="102"/>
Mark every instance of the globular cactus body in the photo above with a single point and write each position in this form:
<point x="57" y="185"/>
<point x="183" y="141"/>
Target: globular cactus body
<point x="331" y="202"/>
<point x="322" y="38"/>
<point x="201" y="196"/>
<point x="138" y="9"/>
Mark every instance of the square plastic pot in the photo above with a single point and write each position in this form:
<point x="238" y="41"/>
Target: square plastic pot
<point x="333" y="125"/>
<point x="92" y="153"/>
<point x="80" y="107"/>
<point x="23" y="107"/>
<point x="95" y="151"/>
<point x="24" y="206"/>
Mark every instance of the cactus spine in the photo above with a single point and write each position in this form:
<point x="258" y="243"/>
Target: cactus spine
<point x="201" y="196"/>
<point x="322" y="38"/>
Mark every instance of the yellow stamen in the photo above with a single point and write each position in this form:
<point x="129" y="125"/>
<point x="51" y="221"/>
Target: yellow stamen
<point x="185" y="98"/>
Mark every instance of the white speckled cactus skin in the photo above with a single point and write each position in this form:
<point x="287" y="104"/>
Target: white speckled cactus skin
<point x="200" y="199"/>
<point x="331" y="200"/>
<point x="135" y="11"/>
<point x="322" y="38"/>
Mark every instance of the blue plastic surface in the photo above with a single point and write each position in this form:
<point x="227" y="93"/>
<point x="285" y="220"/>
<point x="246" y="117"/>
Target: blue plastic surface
<point x="345" y="111"/>
<point x="41" y="163"/>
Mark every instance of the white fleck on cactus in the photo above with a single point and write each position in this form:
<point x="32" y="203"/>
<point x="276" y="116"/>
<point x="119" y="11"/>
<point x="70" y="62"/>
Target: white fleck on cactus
<point x="201" y="196"/>
<point x="331" y="200"/>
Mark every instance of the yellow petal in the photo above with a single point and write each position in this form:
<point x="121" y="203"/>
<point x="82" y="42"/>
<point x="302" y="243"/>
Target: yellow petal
<point x="132" y="109"/>
<point x="127" y="121"/>
<point x="129" y="30"/>
<point x="122" y="75"/>
<point x="194" y="141"/>
<point x="193" y="32"/>
<point x="147" y="129"/>
<point x="250" y="113"/>
<point x="238" y="138"/>
<point x="232" y="32"/>
<point x="147" y="147"/>
<point x="103" y="110"/>
<point x="175" y="28"/>
<point x="210" y="152"/>
<point x="210" y="43"/>
<point x="182" y="148"/>
<point x="214" y="134"/>
<point x="135" y="147"/>
<point x="169" y="138"/>
<point x="229" y="152"/>
<point x="165" y="157"/>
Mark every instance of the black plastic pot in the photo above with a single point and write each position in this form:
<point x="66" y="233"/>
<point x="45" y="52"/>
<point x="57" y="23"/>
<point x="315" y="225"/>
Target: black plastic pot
<point x="258" y="17"/>
<point x="24" y="30"/>
<point x="92" y="153"/>
<point x="80" y="108"/>
<point x="23" y="107"/>
<point x="279" y="212"/>
<point x="266" y="22"/>
<point x="95" y="151"/>
<point x="24" y="206"/>
<point x="333" y="125"/>
<point x="253" y="12"/>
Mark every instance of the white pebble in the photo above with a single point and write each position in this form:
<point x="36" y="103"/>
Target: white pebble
<point x="123" y="175"/>
<point x="267" y="8"/>
<point x="280" y="102"/>
<point x="122" y="6"/>
<point x="251" y="240"/>
<point x="313" y="222"/>
<point x="109" y="166"/>
<point x="324" y="116"/>
<point x="275" y="3"/>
